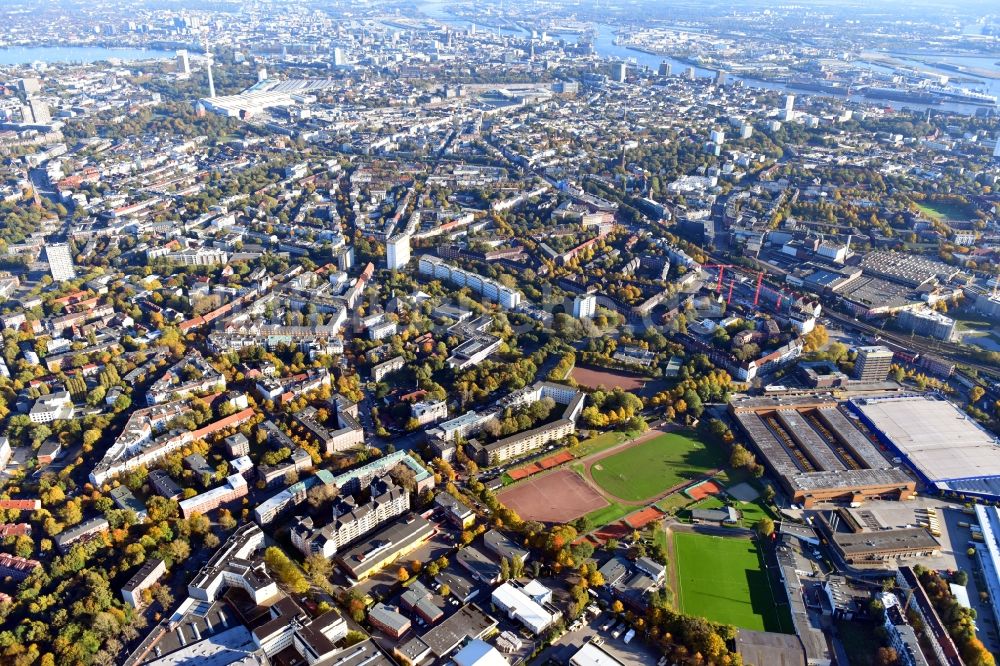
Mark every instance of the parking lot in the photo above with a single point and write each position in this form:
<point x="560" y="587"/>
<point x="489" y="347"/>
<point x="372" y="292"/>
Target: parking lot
<point x="20" y="456"/>
<point x="955" y="540"/>
<point x="635" y="653"/>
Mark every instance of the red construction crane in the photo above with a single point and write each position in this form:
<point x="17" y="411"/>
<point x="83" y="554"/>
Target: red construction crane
<point x="780" y="296"/>
<point x="729" y="299"/>
<point x="722" y="269"/>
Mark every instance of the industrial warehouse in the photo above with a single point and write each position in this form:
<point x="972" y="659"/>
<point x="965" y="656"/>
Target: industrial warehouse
<point x="816" y="452"/>
<point x="947" y="449"/>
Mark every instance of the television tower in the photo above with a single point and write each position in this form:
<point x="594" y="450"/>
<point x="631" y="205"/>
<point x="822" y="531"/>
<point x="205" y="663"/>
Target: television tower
<point x="208" y="66"/>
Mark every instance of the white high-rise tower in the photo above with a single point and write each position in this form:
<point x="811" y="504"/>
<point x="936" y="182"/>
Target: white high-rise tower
<point x="211" y="81"/>
<point x="208" y="66"/>
<point x="397" y="253"/>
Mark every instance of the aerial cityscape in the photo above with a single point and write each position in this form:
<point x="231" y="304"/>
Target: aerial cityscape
<point x="485" y="333"/>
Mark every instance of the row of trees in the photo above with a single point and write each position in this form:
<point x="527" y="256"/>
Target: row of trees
<point x="960" y="621"/>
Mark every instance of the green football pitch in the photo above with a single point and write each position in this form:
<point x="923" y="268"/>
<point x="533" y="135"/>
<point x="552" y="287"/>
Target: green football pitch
<point x="652" y="467"/>
<point x="723" y="579"/>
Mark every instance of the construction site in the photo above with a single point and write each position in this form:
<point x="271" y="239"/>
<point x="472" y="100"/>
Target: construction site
<point x="817" y="452"/>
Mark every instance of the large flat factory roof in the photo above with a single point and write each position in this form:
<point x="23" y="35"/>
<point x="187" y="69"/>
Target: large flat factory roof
<point x="851" y="478"/>
<point x="856" y="441"/>
<point x="816" y="451"/>
<point x="909" y="538"/>
<point x="936" y="437"/>
<point x="782" y="401"/>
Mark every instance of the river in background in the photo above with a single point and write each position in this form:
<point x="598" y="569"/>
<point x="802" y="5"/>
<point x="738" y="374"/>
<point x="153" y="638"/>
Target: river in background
<point x="605" y="46"/>
<point x="25" y="55"/>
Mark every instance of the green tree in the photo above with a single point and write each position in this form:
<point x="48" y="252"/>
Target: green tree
<point x="285" y="570"/>
<point x="764" y="527"/>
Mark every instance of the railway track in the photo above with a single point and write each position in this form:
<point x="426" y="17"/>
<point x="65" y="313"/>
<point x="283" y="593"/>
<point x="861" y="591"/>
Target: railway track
<point x="912" y="343"/>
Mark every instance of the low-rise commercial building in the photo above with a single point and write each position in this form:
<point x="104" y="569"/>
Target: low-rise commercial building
<point x="385" y="546"/>
<point x="468" y="623"/>
<point x="388" y="620"/>
<point x="480" y="567"/>
<point x="530" y="605"/>
<point x="455" y="511"/>
<point x="816" y="453"/>
<point x="876" y="548"/>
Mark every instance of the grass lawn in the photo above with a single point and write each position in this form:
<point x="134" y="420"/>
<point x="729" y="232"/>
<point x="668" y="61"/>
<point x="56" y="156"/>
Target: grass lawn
<point x="723" y="579"/>
<point x="967" y="320"/>
<point x="973" y="325"/>
<point x="660" y="535"/>
<point x="671" y="503"/>
<point x="945" y="211"/>
<point x="609" y="514"/>
<point x="752" y="511"/>
<point x="600" y="443"/>
<point x="651" y="467"/>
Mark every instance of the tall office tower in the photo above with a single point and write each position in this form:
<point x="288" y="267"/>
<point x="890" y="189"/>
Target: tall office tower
<point x="27" y="116"/>
<point x="720" y="78"/>
<point x="618" y="71"/>
<point x="872" y="364"/>
<point x="261" y="75"/>
<point x="60" y="262"/>
<point x="665" y="69"/>
<point x="717" y="137"/>
<point x="996" y="150"/>
<point x="339" y="59"/>
<point x="689" y="73"/>
<point x="183" y="64"/>
<point x="40" y="111"/>
<point x="29" y="85"/>
<point x="397" y="251"/>
<point x="584" y="306"/>
<point x="746" y="131"/>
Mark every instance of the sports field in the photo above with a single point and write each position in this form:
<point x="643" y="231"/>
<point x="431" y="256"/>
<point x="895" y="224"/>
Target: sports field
<point x="723" y="579"/>
<point x="751" y="511"/>
<point x="650" y="468"/>
<point x="939" y="210"/>
<point x="554" y="497"/>
<point x="596" y="377"/>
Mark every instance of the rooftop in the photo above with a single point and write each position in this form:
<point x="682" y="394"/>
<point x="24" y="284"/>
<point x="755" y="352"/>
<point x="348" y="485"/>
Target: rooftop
<point x="468" y="622"/>
<point x="217" y="650"/>
<point x="937" y="438"/>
